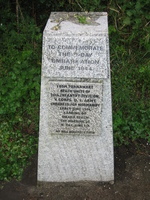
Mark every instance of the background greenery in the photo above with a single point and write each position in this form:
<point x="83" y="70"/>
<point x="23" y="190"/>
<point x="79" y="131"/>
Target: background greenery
<point x="21" y="27"/>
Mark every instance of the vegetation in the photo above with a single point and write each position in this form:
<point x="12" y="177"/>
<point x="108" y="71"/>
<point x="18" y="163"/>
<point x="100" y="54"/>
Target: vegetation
<point x="82" y="19"/>
<point x="21" y="29"/>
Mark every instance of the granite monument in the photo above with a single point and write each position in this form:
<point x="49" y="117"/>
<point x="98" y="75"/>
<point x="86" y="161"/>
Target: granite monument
<point x="75" y="136"/>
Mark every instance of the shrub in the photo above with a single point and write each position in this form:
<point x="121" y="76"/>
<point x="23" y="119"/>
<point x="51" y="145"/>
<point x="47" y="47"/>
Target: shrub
<point x="20" y="84"/>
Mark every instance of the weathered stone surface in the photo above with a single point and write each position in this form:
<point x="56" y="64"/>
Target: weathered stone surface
<point x="75" y="137"/>
<point x="75" y="57"/>
<point x="74" y="50"/>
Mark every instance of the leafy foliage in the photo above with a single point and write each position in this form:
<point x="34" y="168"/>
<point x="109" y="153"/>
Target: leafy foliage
<point x="129" y="44"/>
<point x="15" y="150"/>
<point x="20" y="84"/>
<point x="82" y="19"/>
<point x="20" y="62"/>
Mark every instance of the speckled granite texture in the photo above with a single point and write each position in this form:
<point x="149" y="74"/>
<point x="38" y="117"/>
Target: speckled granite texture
<point x="75" y="136"/>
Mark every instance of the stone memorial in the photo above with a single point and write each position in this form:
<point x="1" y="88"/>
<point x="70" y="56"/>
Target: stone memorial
<point x="75" y="136"/>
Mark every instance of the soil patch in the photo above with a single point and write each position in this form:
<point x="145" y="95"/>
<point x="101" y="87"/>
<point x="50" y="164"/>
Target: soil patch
<point x="132" y="181"/>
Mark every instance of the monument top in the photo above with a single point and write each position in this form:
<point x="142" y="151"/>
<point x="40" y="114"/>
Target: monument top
<point x="76" y="46"/>
<point x="77" y="23"/>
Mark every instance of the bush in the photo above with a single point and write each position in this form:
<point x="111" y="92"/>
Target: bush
<point x="129" y="45"/>
<point x="16" y="148"/>
<point x="20" y="90"/>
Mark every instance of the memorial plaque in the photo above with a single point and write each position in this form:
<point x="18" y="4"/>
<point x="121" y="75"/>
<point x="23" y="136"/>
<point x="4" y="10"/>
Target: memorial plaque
<point x="75" y="132"/>
<point x="74" y="108"/>
<point x="75" y="57"/>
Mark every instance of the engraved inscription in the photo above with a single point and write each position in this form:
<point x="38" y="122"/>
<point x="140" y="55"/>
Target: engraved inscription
<point x="74" y="108"/>
<point x="75" y="57"/>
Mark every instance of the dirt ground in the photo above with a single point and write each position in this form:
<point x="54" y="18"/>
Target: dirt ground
<point x="132" y="181"/>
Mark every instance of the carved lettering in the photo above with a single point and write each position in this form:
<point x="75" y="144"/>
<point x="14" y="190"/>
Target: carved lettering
<point x="76" y="105"/>
<point x="79" y="57"/>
